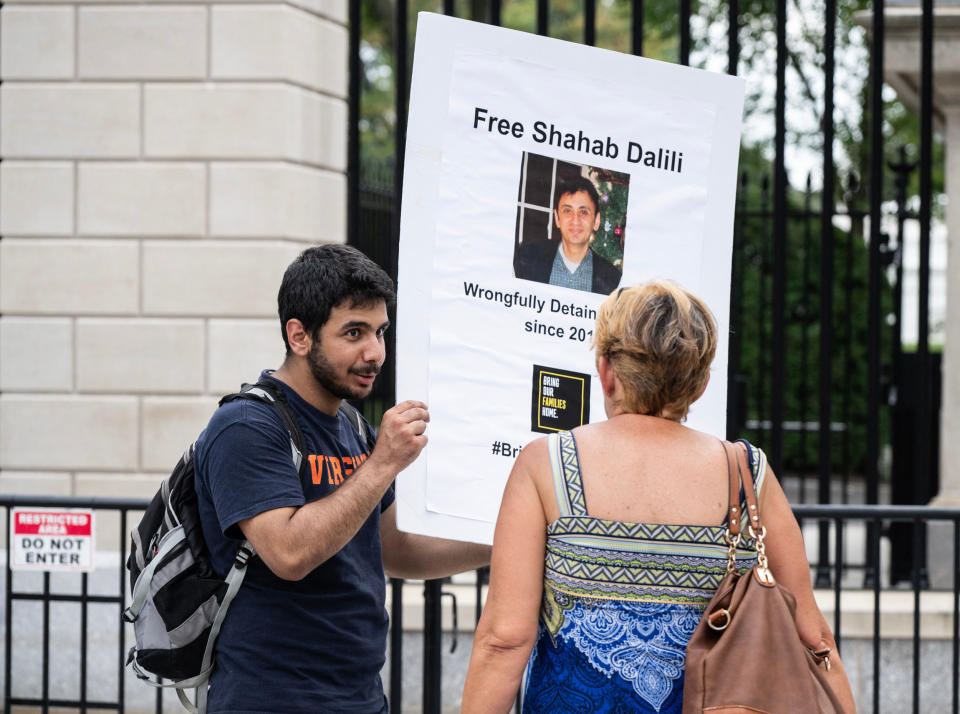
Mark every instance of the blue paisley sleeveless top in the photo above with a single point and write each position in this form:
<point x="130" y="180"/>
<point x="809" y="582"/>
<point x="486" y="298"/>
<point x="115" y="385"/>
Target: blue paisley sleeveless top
<point x="620" y="601"/>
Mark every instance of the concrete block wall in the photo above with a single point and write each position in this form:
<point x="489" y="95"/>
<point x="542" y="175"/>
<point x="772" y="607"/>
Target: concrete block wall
<point x="162" y="163"/>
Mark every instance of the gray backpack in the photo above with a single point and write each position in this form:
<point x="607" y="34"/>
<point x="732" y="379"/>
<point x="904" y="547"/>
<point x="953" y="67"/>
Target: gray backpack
<point x="178" y="601"/>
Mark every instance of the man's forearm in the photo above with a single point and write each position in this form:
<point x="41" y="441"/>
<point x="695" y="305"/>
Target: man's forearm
<point x="426" y="558"/>
<point x="294" y="541"/>
<point x="321" y="528"/>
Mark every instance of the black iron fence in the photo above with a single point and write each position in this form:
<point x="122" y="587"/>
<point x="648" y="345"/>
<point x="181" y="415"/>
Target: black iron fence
<point x="818" y="372"/>
<point x="878" y="680"/>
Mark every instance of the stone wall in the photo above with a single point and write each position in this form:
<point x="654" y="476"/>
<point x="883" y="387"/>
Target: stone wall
<point x="161" y="165"/>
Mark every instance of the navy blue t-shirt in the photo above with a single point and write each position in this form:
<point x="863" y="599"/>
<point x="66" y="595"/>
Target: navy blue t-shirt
<point x="316" y="645"/>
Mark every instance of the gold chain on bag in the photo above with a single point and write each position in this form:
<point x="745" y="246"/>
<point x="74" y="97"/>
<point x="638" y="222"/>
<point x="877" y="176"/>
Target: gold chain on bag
<point x="732" y="542"/>
<point x="763" y="572"/>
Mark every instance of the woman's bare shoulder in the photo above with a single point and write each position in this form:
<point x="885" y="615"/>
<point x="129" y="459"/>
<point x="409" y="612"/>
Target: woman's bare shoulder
<point x="533" y="461"/>
<point x="533" y="456"/>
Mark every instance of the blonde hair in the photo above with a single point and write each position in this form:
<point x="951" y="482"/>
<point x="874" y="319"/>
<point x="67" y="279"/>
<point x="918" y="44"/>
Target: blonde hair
<point x="660" y="340"/>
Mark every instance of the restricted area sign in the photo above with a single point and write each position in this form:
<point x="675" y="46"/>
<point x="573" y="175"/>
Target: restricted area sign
<point x="45" y="539"/>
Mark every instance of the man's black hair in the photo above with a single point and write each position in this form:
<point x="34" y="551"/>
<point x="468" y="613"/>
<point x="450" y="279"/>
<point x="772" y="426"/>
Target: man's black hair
<point x="575" y="185"/>
<point x="323" y="277"/>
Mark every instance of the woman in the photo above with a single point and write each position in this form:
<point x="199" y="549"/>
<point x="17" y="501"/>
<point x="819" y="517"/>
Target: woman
<point x="585" y="575"/>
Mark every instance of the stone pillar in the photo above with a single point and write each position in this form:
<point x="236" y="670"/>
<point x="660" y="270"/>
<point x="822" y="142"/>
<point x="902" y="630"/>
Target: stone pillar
<point x="950" y="412"/>
<point x="162" y="165"/>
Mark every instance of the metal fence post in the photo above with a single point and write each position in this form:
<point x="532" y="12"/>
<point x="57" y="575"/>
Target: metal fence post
<point x="432" y="642"/>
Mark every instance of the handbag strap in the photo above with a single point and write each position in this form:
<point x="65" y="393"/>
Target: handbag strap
<point x="733" y="500"/>
<point x="733" y="535"/>
<point x="743" y="476"/>
<point x="755" y="526"/>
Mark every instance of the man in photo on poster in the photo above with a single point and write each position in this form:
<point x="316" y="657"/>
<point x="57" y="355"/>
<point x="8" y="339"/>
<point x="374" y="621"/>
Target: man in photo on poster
<point x="570" y="262"/>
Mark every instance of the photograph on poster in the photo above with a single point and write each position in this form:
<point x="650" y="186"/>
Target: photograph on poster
<point x="571" y="224"/>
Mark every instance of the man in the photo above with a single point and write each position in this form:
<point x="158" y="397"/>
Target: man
<point x="307" y="630"/>
<point x="570" y="262"/>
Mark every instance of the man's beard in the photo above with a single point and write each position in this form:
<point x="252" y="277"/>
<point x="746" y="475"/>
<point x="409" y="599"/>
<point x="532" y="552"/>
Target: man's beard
<point x="327" y="378"/>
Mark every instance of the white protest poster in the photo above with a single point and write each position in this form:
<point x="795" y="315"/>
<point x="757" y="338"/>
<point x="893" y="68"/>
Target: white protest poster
<point x="518" y="144"/>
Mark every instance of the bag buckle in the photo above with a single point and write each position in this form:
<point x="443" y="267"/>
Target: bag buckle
<point x="719" y="620"/>
<point x="821" y="656"/>
<point x="243" y="555"/>
<point x="764" y="576"/>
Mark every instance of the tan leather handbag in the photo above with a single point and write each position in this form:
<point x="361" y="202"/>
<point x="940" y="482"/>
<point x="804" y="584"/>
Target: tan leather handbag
<point x="745" y="657"/>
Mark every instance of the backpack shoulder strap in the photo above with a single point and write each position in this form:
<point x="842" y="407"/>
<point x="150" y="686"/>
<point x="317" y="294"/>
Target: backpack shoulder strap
<point x="367" y="433"/>
<point x="273" y="396"/>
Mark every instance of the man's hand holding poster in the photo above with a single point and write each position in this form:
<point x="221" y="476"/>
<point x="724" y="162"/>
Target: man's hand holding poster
<point x="540" y="176"/>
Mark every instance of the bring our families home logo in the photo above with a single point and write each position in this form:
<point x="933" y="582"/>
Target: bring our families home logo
<point x="560" y="399"/>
